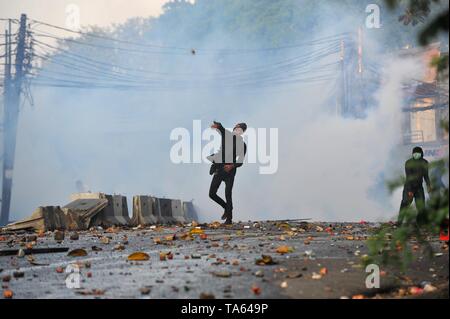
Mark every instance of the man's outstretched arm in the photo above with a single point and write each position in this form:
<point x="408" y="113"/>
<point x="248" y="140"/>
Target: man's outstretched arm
<point x="218" y="126"/>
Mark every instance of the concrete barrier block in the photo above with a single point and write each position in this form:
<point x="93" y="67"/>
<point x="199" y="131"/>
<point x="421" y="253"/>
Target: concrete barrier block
<point x="164" y="209"/>
<point x="114" y="214"/>
<point x="177" y="211"/>
<point x="144" y="212"/>
<point x="189" y="212"/>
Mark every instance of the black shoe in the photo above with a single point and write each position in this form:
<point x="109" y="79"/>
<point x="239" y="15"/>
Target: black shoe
<point x="224" y="216"/>
<point x="228" y="222"/>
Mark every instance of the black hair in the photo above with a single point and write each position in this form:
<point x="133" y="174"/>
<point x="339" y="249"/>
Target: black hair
<point x="243" y="126"/>
<point x="418" y="149"/>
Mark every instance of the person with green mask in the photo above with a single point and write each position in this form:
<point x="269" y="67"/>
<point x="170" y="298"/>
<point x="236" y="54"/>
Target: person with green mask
<point x="416" y="169"/>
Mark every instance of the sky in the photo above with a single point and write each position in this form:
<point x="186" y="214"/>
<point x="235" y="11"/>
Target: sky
<point x="92" y="12"/>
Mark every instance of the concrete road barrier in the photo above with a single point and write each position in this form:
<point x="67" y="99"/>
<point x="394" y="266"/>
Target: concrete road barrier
<point x="114" y="214"/>
<point x="189" y="212"/>
<point x="177" y="211"/>
<point x="163" y="208"/>
<point x="144" y="212"/>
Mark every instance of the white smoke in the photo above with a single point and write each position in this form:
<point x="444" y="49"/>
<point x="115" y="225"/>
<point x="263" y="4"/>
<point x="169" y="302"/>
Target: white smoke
<point x="119" y="142"/>
<point x="329" y="164"/>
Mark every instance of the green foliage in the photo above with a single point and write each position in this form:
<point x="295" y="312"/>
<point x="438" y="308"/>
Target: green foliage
<point x="418" y="11"/>
<point x="391" y="245"/>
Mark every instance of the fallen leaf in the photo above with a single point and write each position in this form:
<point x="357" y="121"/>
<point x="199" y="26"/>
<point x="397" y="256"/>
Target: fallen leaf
<point x="284" y="284"/>
<point x="145" y="290"/>
<point x="203" y="237"/>
<point x="358" y="297"/>
<point x="93" y="292"/>
<point x="186" y="236"/>
<point x="205" y="295"/>
<point x="170" y="238"/>
<point x="164" y="256"/>
<point x="280" y="270"/>
<point x="138" y="256"/>
<point x="112" y="230"/>
<point x="415" y="291"/>
<point x="316" y="276"/>
<point x="33" y="262"/>
<point x="294" y="274"/>
<point x="284" y="225"/>
<point x="222" y="274"/>
<point x="214" y="225"/>
<point x="74" y="236"/>
<point x="429" y="288"/>
<point x="119" y="247"/>
<point x="197" y="231"/>
<point x="265" y="260"/>
<point x="284" y="250"/>
<point x="77" y="253"/>
<point x="323" y="271"/>
<point x="256" y="290"/>
<point x="8" y="294"/>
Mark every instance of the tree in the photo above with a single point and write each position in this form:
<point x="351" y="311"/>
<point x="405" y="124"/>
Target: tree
<point x="392" y="245"/>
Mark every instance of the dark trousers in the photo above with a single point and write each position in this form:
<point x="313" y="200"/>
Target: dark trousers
<point x="217" y="180"/>
<point x="409" y="194"/>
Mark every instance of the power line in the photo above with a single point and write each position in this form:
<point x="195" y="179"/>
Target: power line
<point x="224" y="51"/>
<point x="98" y="65"/>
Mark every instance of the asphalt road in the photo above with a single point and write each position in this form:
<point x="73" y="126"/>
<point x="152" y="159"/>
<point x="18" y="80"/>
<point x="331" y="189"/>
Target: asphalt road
<point x="220" y="263"/>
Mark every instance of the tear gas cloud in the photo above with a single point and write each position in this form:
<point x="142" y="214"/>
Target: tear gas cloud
<point x="329" y="167"/>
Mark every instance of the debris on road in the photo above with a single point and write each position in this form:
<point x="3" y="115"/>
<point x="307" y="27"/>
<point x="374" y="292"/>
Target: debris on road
<point x="192" y="255"/>
<point x="265" y="260"/>
<point x="50" y="250"/>
<point x="138" y="256"/>
<point x="77" y="253"/>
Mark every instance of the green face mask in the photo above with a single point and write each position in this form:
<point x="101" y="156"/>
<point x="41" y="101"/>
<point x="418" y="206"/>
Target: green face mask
<point x="417" y="156"/>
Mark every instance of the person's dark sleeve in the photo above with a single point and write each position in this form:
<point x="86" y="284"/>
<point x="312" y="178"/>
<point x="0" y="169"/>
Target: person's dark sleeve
<point x="241" y="156"/>
<point x="220" y="128"/>
<point x="407" y="169"/>
<point x="426" y="175"/>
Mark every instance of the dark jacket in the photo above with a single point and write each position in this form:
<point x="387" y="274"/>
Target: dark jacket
<point x="232" y="151"/>
<point x="416" y="172"/>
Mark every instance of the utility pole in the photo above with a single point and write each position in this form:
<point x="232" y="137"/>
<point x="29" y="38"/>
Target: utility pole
<point x="12" y="92"/>
<point x="342" y="102"/>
